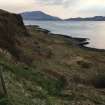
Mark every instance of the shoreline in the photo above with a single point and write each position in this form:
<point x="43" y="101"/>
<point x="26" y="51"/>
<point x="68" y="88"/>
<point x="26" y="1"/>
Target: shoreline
<point x="80" y="42"/>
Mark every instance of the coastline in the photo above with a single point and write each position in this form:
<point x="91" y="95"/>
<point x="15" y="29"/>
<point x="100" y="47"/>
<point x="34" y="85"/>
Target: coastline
<point x="42" y="68"/>
<point x="80" y="42"/>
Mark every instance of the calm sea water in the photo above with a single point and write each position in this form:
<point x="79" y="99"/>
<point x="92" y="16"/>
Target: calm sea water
<point x="94" y="31"/>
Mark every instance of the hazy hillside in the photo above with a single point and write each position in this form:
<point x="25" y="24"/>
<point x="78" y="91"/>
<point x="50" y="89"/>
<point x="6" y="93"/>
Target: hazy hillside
<point x="96" y="18"/>
<point x="38" y="15"/>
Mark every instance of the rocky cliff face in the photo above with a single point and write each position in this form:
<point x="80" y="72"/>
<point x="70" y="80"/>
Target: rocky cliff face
<point x="11" y="30"/>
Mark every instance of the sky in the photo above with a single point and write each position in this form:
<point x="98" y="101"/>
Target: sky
<point x="61" y="8"/>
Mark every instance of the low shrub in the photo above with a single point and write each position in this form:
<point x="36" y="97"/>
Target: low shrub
<point x="84" y="64"/>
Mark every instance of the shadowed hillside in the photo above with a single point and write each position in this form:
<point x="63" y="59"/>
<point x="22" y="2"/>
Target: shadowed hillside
<point x="11" y="31"/>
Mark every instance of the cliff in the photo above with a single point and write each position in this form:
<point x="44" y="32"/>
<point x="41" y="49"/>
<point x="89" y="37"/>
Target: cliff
<point x="12" y="30"/>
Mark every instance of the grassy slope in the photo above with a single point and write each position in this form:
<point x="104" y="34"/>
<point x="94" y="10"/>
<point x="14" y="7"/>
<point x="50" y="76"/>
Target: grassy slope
<point x="60" y="73"/>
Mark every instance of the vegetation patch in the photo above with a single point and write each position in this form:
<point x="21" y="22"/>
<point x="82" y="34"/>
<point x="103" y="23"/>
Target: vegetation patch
<point x="51" y="85"/>
<point x="4" y="100"/>
<point x="84" y="64"/>
<point x="99" y="81"/>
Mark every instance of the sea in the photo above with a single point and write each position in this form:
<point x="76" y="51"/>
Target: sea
<point x="94" y="31"/>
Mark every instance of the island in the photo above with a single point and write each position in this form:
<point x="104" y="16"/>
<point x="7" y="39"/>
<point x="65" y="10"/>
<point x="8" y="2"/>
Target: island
<point x="95" y="18"/>
<point x="38" y="15"/>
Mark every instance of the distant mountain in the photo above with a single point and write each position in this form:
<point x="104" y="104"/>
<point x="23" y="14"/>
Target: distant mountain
<point x="95" y="18"/>
<point x="37" y="15"/>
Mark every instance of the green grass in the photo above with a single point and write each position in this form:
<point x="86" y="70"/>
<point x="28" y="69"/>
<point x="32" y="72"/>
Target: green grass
<point x="37" y="84"/>
<point x="53" y="86"/>
<point x="62" y="78"/>
<point x="4" y="100"/>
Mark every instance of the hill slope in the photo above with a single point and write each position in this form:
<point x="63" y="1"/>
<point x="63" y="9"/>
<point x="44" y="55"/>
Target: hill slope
<point x="38" y="15"/>
<point x="51" y="69"/>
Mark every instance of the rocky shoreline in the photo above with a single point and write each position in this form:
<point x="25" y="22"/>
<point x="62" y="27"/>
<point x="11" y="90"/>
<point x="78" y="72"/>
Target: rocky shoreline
<point x="80" y="42"/>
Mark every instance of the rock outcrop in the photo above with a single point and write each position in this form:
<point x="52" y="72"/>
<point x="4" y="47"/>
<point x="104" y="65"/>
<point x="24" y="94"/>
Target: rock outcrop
<point x="11" y="30"/>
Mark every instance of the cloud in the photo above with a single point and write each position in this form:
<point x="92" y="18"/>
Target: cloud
<point x="17" y="5"/>
<point x="92" y="11"/>
<point x="51" y="2"/>
<point x="73" y="8"/>
<point x="73" y="3"/>
<point x="61" y="8"/>
<point x="58" y="2"/>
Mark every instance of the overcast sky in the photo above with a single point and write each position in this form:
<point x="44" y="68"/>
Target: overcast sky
<point x="60" y="8"/>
